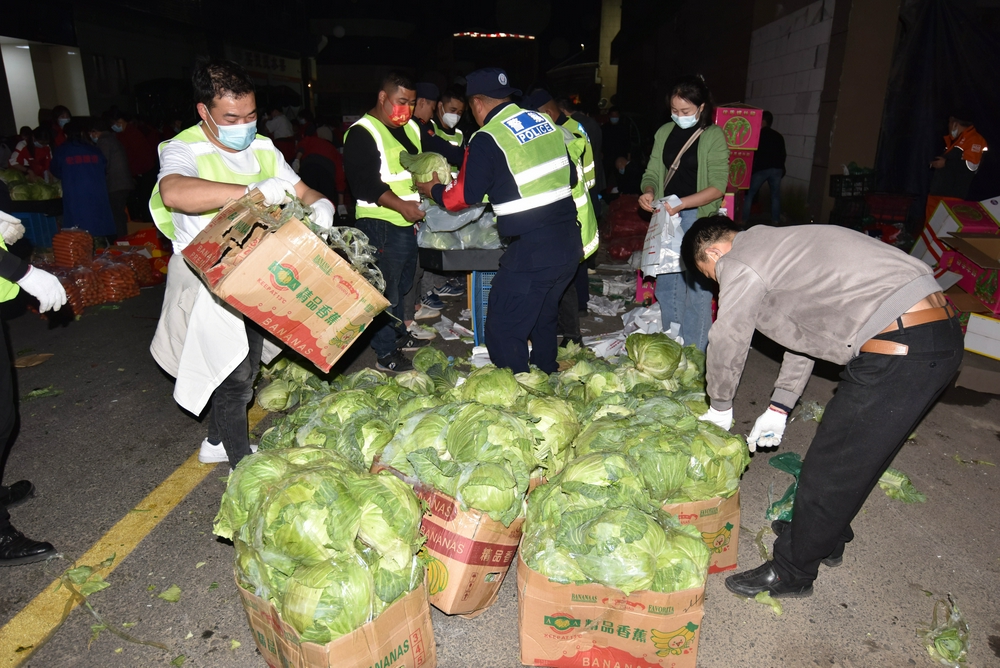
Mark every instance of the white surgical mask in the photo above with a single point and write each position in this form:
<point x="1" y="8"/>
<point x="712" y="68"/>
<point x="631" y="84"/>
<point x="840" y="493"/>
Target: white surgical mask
<point x="685" y="122"/>
<point x="955" y="133"/>
<point x="614" y="120"/>
<point x="450" y="120"/>
<point x="62" y="122"/>
<point x="117" y="128"/>
<point x="237" y="137"/>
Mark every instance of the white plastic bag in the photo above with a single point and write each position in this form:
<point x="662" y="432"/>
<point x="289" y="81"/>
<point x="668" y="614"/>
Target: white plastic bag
<point x="661" y="254"/>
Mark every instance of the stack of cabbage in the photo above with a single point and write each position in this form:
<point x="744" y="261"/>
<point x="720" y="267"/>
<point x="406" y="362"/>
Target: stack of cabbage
<point x="330" y="545"/>
<point x="595" y="522"/>
<point x="21" y="189"/>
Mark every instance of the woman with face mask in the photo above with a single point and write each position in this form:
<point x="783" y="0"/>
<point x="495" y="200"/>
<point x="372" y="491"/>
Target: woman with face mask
<point x="690" y="159"/>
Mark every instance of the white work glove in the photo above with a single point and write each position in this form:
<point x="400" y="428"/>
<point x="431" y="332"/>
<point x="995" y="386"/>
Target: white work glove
<point x="722" y="419"/>
<point x="275" y="191"/>
<point x="342" y="210"/>
<point x="10" y="228"/>
<point x="295" y="165"/>
<point x="768" y="430"/>
<point x="44" y="287"/>
<point x="322" y="215"/>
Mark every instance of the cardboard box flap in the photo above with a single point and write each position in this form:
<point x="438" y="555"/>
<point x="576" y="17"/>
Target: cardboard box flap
<point x="983" y="249"/>
<point x="965" y="302"/>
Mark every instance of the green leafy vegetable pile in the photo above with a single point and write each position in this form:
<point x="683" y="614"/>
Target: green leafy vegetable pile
<point x="595" y="522"/>
<point x="330" y="545"/>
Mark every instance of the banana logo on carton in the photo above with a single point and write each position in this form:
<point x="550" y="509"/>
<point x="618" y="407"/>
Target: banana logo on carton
<point x="674" y="642"/>
<point x="437" y="576"/>
<point x="717" y="540"/>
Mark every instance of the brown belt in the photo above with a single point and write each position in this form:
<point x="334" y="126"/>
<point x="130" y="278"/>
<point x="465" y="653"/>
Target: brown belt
<point x="912" y="319"/>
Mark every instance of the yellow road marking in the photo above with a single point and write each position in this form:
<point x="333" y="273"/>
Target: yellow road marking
<point x="36" y="623"/>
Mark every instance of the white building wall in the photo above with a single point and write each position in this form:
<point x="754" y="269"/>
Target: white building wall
<point x="786" y="75"/>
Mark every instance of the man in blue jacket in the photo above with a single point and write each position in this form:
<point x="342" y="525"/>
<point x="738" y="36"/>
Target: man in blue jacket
<point x="518" y="159"/>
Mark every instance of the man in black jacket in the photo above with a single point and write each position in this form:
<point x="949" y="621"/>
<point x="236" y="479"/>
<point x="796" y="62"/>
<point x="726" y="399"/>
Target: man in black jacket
<point x="768" y="165"/>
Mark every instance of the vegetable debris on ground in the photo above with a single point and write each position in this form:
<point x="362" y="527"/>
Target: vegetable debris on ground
<point x="947" y="637"/>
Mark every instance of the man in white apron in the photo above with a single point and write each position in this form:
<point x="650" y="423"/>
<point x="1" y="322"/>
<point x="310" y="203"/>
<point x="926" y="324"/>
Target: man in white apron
<point x="206" y="345"/>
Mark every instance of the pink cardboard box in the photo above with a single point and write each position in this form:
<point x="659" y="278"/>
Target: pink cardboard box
<point x="741" y="125"/>
<point x="740" y="166"/>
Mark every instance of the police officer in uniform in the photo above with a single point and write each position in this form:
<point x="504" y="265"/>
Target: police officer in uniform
<point x="519" y="160"/>
<point x="577" y="145"/>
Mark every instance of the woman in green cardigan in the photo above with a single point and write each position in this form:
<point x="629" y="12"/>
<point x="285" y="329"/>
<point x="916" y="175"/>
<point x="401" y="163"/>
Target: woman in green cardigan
<point x="699" y="182"/>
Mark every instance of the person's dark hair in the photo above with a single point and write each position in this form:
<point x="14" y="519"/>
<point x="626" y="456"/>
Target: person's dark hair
<point x="453" y="93"/>
<point x="963" y="116"/>
<point x="42" y="134"/>
<point x="394" y="80"/>
<point x="216" y="77"/>
<point x="565" y="103"/>
<point x="768" y="118"/>
<point x="705" y="232"/>
<point x="614" y="110"/>
<point x="694" y="90"/>
<point x="101" y="124"/>
<point x="78" y="128"/>
<point x="59" y="110"/>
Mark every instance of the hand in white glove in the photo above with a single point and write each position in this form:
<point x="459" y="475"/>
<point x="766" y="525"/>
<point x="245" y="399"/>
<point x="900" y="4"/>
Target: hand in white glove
<point x="44" y="287"/>
<point x="342" y="210"/>
<point x="322" y="215"/>
<point x="295" y="165"/>
<point x="723" y="419"/>
<point x="10" y="228"/>
<point x="275" y="191"/>
<point x="768" y="430"/>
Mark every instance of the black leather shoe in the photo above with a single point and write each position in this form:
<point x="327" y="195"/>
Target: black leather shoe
<point x="17" y="549"/>
<point x="765" y="578"/>
<point x="836" y="557"/>
<point x="11" y="495"/>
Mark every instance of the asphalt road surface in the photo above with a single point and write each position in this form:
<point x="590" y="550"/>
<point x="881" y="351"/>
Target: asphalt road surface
<point x="96" y="450"/>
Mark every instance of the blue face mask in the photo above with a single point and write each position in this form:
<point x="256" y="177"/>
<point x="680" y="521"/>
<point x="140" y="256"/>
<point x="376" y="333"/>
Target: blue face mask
<point x="614" y="120"/>
<point x="237" y="137"/>
<point x="62" y="122"/>
<point x="684" y="122"/>
<point x="117" y="128"/>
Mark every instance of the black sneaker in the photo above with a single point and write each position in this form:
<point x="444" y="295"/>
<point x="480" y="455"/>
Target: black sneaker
<point x="394" y="363"/>
<point x="17" y="549"/>
<point x="409" y="343"/>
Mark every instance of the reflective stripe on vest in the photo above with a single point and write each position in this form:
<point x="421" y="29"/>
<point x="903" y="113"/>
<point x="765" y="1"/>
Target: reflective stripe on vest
<point x="589" y="172"/>
<point x="575" y="146"/>
<point x="392" y="173"/>
<point x="212" y="167"/>
<point x="536" y="156"/>
<point x="454" y="137"/>
<point x="8" y="289"/>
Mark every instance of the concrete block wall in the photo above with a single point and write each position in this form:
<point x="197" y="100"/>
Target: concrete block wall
<point x="786" y="76"/>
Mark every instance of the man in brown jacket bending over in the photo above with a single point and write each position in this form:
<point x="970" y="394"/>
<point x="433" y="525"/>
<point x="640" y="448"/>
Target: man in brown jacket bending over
<point x="830" y="293"/>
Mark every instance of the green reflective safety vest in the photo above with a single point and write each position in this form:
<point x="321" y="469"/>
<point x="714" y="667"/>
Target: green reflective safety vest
<point x="399" y="180"/>
<point x="536" y="156"/>
<point x="576" y="146"/>
<point x="8" y="289"/>
<point x="212" y="167"/>
<point x="453" y="136"/>
<point x="589" y="173"/>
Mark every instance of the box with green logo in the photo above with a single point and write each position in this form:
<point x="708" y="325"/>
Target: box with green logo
<point x="285" y="279"/>
<point x="578" y="626"/>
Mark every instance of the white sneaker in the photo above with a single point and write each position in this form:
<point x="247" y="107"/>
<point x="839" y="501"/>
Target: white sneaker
<point x="421" y="331"/>
<point x="216" y="454"/>
<point x="425" y="313"/>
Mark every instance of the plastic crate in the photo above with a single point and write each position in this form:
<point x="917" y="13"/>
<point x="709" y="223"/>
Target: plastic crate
<point x="480" y="296"/>
<point x="38" y="228"/>
<point x="851" y="185"/>
<point x="887" y="208"/>
<point x="849" y="212"/>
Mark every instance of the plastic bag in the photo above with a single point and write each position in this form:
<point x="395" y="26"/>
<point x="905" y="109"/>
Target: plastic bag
<point x="661" y="253"/>
<point x="789" y="462"/>
<point x="437" y="219"/>
<point x="472" y="228"/>
<point x="947" y="641"/>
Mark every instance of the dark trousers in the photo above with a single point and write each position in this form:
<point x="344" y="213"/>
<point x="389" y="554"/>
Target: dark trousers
<point x="119" y="200"/>
<point x="569" y="306"/>
<point x="8" y="412"/>
<point x="525" y="305"/>
<point x="228" y="419"/>
<point x="138" y="200"/>
<point x="773" y="178"/>
<point x="397" y="259"/>
<point x="582" y="283"/>
<point x="879" y="402"/>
